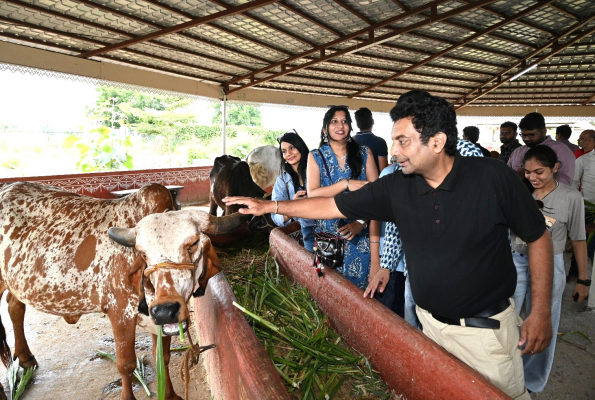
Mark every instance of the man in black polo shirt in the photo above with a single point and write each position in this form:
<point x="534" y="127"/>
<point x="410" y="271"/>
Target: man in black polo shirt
<point x="454" y="232"/>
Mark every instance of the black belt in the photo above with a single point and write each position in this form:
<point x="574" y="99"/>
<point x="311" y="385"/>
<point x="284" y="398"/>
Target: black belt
<point x="479" y="320"/>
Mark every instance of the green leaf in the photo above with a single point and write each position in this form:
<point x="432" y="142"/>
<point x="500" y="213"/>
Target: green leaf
<point x="106" y="148"/>
<point x="70" y="141"/>
<point x="160" y="366"/>
<point x="82" y="148"/>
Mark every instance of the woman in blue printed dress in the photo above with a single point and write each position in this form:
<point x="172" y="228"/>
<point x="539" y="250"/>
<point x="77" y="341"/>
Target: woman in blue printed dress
<point x="341" y="165"/>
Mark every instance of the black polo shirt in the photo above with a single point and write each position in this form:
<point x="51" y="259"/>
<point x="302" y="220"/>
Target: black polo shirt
<point x="455" y="237"/>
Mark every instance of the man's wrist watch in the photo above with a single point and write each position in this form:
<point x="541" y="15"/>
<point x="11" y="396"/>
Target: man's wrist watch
<point x="586" y="282"/>
<point x="364" y="223"/>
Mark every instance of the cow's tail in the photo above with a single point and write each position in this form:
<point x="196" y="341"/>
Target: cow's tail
<point x="5" y="353"/>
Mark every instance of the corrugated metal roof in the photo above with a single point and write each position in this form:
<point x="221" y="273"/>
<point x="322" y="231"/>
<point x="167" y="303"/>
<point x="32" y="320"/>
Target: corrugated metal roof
<point x="463" y="50"/>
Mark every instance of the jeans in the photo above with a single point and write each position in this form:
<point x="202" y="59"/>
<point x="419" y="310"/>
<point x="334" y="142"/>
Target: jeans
<point x="394" y="293"/>
<point x="410" y="315"/>
<point x="538" y="366"/>
<point x="308" y="237"/>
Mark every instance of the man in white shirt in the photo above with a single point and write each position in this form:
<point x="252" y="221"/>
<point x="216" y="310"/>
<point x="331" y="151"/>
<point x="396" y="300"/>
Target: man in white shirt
<point x="584" y="176"/>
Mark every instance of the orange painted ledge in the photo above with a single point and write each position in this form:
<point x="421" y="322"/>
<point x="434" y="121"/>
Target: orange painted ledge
<point x="239" y="368"/>
<point x="410" y="363"/>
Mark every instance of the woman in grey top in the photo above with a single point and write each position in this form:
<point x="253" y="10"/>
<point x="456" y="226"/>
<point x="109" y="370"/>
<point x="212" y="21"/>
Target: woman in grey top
<point x="564" y="213"/>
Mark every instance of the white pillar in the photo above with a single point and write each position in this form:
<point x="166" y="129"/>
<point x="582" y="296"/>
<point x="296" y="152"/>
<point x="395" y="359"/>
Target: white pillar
<point x="224" y="123"/>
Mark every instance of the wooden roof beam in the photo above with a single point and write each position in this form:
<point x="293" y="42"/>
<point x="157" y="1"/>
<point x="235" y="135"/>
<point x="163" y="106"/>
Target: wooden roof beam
<point x="265" y="23"/>
<point x="360" y="46"/>
<point x="590" y="99"/>
<point x="180" y="27"/>
<point x="482" y="90"/>
<point x="528" y="24"/>
<point x="462" y="43"/>
<point x="565" y="12"/>
<point x="100" y="43"/>
<point x="118" y="32"/>
<point x="228" y="31"/>
<point x="155" y="25"/>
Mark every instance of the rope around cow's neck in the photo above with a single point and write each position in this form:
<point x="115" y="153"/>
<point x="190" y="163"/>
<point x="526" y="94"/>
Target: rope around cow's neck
<point x="168" y="265"/>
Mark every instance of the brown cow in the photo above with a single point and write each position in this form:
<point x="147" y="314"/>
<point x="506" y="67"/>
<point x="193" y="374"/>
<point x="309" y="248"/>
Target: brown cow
<point x="56" y="256"/>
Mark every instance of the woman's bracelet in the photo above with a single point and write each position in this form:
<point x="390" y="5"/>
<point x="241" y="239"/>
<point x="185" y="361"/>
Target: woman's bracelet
<point x="276" y="207"/>
<point x="374" y="242"/>
<point x="347" y="186"/>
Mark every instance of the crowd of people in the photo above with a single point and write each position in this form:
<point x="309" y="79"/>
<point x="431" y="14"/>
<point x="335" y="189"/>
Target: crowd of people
<point x="455" y="239"/>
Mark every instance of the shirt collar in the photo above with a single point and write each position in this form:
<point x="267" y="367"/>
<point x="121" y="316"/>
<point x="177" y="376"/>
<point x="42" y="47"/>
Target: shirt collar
<point x="447" y="184"/>
<point x="364" y="132"/>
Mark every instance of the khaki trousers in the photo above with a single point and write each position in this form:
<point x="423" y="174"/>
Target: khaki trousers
<point x="493" y="353"/>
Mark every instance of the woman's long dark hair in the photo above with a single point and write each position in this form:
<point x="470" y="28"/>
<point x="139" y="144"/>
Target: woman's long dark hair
<point x="354" y="158"/>
<point x="294" y="139"/>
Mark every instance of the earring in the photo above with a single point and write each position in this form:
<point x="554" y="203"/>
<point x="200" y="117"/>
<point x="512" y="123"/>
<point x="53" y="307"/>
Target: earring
<point x="349" y="140"/>
<point x="325" y="138"/>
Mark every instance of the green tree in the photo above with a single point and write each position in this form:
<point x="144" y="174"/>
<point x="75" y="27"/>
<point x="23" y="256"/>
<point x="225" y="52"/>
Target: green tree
<point x="101" y="150"/>
<point x="237" y="114"/>
<point x="107" y="107"/>
<point x="171" y="123"/>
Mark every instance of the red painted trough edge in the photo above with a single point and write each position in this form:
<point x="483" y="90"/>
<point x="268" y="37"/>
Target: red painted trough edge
<point x="410" y="363"/>
<point x="239" y="368"/>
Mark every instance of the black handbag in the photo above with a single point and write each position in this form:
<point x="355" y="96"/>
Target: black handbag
<point x="328" y="251"/>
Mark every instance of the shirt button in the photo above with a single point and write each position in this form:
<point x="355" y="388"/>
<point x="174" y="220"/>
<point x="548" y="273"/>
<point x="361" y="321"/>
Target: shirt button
<point x="434" y="194"/>
<point x="437" y="221"/>
<point x="435" y="207"/>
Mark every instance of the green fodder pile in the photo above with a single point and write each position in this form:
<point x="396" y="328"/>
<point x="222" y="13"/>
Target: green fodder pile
<point x="311" y="358"/>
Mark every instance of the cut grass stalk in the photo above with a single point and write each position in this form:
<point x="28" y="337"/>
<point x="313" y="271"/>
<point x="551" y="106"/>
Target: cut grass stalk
<point x="160" y="366"/>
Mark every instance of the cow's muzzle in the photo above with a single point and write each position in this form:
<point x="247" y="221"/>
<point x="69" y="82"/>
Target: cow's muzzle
<point x="174" y="329"/>
<point x="166" y="313"/>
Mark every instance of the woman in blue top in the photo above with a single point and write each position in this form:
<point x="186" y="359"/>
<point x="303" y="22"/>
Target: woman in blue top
<point x="291" y="183"/>
<point x="340" y="165"/>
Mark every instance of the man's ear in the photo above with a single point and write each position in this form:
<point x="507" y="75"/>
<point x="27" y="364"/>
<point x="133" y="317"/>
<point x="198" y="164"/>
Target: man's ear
<point x="438" y="141"/>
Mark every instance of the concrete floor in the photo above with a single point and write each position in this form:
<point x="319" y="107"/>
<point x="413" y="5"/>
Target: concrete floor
<point x="573" y="372"/>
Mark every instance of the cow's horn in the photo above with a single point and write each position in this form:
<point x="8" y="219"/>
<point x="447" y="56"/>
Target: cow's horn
<point x="223" y="225"/>
<point x="124" y="236"/>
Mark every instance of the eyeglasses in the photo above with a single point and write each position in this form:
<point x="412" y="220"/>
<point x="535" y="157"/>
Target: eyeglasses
<point x="530" y="135"/>
<point x="281" y="137"/>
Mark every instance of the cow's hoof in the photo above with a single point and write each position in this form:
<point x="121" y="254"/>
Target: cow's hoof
<point x="28" y="363"/>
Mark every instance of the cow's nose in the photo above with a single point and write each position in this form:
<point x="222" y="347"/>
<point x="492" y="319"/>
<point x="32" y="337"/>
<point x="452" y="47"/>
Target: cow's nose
<point x="165" y="313"/>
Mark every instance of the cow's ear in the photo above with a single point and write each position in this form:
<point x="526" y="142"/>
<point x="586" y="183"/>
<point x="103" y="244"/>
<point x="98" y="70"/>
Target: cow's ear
<point x="135" y="275"/>
<point x="211" y="266"/>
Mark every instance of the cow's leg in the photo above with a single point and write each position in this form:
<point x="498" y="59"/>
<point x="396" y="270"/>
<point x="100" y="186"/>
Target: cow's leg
<point x="169" y="389"/>
<point x="124" y="336"/>
<point x="16" y="309"/>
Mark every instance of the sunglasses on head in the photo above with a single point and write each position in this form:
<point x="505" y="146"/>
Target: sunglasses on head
<point x="331" y="106"/>
<point x="281" y="137"/>
<point x="539" y="204"/>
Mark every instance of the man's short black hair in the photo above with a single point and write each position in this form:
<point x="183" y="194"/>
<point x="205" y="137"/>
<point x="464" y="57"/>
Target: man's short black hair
<point x="532" y="121"/>
<point x="564" y="131"/>
<point x="471" y="133"/>
<point x="430" y="115"/>
<point x="363" y="119"/>
<point x="509" y="124"/>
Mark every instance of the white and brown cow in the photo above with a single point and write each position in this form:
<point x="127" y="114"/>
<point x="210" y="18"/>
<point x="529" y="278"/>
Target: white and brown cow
<point x="56" y="256"/>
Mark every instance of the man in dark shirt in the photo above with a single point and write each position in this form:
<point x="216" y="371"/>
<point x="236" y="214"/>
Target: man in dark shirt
<point x="454" y="233"/>
<point x="377" y="145"/>
<point x="508" y="138"/>
<point x="471" y="133"/>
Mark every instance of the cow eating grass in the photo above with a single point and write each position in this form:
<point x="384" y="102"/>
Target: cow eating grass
<point x="56" y="256"/>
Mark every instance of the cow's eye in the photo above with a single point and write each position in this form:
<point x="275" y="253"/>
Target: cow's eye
<point x="193" y="247"/>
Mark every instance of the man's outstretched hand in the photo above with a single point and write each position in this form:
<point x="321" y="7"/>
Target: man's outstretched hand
<point x="254" y="206"/>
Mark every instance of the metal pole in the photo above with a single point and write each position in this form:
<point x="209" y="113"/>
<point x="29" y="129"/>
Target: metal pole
<point x="224" y="123"/>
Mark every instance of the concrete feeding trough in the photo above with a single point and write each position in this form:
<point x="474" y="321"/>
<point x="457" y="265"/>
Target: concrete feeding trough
<point x="411" y="364"/>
